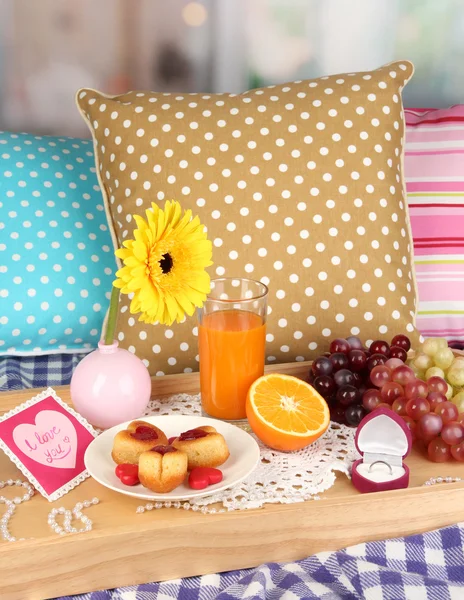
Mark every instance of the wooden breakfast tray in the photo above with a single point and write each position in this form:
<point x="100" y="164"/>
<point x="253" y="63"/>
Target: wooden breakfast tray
<point x="126" y="548"/>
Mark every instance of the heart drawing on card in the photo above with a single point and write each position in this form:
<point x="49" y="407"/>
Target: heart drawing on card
<point x="50" y="441"/>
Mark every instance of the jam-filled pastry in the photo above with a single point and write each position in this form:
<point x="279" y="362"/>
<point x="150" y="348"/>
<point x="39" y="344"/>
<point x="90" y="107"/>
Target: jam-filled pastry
<point x="204" y="446"/>
<point x="139" y="437"/>
<point x="162" y="469"/>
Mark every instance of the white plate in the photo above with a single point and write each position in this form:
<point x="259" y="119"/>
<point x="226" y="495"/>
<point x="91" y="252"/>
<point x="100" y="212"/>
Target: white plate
<point x="244" y="456"/>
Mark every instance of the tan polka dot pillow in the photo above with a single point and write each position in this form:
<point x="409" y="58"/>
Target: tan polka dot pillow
<point x="300" y="186"/>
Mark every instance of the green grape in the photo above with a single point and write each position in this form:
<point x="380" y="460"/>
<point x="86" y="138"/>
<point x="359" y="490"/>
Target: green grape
<point x="458" y="400"/>
<point x="423" y="362"/>
<point x="449" y="392"/>
<point x="442" y="342"/>
<point x="417" y="372"/>
<point x="444" y="358"/>
<point x="458" y="362"/>
<point x="434" y="372"/>
<point x="455" y="376"/>
<point x="431" y="346"/>
<point x="457" y="390"/>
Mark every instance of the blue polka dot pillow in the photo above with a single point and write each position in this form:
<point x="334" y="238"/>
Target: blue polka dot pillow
<point x="56" y="258"/>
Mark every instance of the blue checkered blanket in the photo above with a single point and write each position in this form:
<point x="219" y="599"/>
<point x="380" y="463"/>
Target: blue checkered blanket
<point x="18" y="372"/>
<point x="420" y="567"/>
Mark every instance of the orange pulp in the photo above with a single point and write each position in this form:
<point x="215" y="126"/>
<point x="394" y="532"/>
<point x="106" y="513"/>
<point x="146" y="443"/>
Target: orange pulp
<point x="231" y="358"/>
<point x="286" y="413"/>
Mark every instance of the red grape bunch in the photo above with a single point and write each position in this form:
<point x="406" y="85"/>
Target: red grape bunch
<point x="431" y="418"/>
<point x="343" y="375"/>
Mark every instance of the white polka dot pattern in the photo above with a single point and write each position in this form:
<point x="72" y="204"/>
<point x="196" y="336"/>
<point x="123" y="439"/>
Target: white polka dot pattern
<point x="300" y="186"/>
<point x="56" y="256"/>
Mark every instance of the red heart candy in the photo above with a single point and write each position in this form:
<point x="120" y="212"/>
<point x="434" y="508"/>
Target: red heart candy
<point x="128" y="474"/>
<point x="201" y="477"/>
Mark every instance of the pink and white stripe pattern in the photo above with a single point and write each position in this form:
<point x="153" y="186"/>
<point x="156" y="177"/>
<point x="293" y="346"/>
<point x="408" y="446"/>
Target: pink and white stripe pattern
<point x="434" y="172"/>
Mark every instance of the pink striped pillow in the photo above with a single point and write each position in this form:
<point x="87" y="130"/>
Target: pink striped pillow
<point x="434" y="172"/>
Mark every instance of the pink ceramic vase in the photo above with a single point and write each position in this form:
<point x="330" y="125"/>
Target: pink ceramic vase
<point x="110" y="386"/>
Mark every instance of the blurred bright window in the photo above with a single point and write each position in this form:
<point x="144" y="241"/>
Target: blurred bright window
<point x="50" y="48"/>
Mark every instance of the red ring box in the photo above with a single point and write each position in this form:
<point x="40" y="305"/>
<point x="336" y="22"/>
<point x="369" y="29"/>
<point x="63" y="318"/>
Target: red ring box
<point x="381" y="436"/>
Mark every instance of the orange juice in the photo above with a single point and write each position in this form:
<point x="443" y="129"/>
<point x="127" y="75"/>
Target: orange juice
<point x="231" y="359"/>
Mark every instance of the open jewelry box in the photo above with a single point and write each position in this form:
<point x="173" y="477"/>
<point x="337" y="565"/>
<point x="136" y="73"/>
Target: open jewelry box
<point x="383" y="440"/>
<point x="125" y="548"/>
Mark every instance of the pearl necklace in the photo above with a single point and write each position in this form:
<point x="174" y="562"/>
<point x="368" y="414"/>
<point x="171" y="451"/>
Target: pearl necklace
<point x="75" y="513"/>
<point x="206" y="510"/>
<point x="11" y="506"/>
<point x="436" y="480"/>
<point x="69" y="515"/>
<point x="185" y="505"/>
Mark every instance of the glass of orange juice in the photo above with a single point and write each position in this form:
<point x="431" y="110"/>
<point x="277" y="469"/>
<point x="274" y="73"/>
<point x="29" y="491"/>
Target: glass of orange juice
<point x="232" y="338"/>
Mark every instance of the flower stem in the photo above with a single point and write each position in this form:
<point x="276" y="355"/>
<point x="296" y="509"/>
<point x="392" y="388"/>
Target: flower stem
<point x="112" y="316"/>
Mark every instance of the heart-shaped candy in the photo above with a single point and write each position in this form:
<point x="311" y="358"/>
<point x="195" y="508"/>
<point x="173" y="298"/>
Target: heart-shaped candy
<point x="128" y="474"/>
<point x="201" y="477"/>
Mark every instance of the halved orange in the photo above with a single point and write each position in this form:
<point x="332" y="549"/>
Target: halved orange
<point x="286" y="413"/>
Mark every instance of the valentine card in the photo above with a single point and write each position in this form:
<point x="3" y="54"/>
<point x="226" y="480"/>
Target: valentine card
<point x="46" y="440"/>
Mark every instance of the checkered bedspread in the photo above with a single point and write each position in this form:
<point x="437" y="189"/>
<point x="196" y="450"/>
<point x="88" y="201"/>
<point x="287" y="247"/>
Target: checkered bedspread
<point x="18" y="372"/>
<point x="420" y="567"/>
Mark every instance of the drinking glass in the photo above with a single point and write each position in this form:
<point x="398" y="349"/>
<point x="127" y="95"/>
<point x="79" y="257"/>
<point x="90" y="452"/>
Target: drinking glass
<point x="232" y="337"/>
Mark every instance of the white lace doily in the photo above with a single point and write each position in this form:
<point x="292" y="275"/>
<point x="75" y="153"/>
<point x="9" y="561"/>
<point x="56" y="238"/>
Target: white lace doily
<point x="280" y="477"/>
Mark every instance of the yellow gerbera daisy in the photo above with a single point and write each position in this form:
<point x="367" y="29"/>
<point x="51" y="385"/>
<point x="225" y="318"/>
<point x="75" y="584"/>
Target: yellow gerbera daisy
<point x="164" y="266"/>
